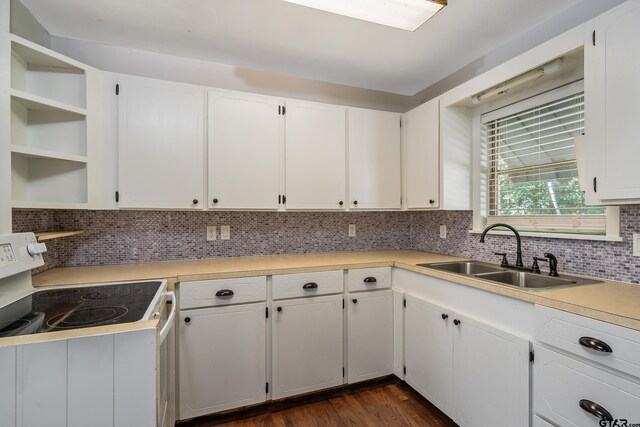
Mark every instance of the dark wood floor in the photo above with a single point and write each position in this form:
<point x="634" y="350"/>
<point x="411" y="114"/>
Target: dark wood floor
<point x="387" y="402"/>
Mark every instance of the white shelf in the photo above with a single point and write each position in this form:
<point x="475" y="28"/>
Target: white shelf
<point x="51" y="235"/>
<point x="37" y="153"/>
<point x="34" y="54"/>
<point x="40" y="103"/>
<point x="29" y="204"/>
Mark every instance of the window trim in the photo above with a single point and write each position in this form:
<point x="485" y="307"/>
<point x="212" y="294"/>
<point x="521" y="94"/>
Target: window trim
<point x="480" y="207"/>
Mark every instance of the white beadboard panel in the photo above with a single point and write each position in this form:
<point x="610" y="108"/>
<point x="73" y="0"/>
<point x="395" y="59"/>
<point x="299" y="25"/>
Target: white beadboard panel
<point x="90" y="381"/>
<point x="44" y="379"/>
<point x="135" y="379"/>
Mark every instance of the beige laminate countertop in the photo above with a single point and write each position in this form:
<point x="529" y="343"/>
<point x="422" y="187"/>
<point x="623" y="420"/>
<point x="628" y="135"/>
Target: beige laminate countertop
<point x="614" y="302"/>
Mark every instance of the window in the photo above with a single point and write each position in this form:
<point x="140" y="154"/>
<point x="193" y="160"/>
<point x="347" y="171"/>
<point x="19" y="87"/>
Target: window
<point x="532" y="174"/>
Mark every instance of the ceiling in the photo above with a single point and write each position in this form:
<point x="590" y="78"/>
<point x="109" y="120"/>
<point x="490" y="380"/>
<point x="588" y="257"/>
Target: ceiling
<point x="280" y="37"/>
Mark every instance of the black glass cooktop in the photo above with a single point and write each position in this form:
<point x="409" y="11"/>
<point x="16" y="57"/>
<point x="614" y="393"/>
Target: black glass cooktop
<point x="81" y="307"/>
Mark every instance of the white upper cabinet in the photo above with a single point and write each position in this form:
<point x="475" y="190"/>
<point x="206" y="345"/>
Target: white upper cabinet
<point x="612" y="61"/>
<point x="315" y="156"/>
<point x="421" y="156"/>
<point x="161" y="144"/>
<point x="374" y="159"/>
<point x="244" y="150"/>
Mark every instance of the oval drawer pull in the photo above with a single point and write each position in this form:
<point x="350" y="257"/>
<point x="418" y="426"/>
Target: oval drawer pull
<point x="596" y="410"/>
<point x="370" y="280"/>
<point x="224" y="293"/>
<point x="595" y="344"/>
<point x="310" y="285"/>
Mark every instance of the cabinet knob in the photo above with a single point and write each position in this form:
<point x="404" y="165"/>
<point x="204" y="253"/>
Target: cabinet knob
<point x="195" y="201"/>
<point x="355" y="300"/>
<point x="456" y="322"/>
<point x="355" y="202"/>
<point x="341" y="203"/>
<point x="215" y="200"/>
<point x="431" y="202"/>
<point x="445" y="316"/>
<point x="187" y="320"/>
<point x="279" y="309"/>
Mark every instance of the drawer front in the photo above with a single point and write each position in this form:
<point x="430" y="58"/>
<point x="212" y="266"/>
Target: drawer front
<point x="539" y="422"/>
<point x="307" y="284"/>
<point x="365" y="279"/>
<point x="207" y="293"/>
<point x="561" y="383"/>
<point x="567" y="331"/>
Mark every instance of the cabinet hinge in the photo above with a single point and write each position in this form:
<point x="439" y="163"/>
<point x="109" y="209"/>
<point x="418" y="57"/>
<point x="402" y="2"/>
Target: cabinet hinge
<point x="531" y="357"/>
<point x="117" y="196"/>
<point x="343" y="303"/>
<point x="404" y="302"/>
<point x="266" y="312"/>
<point x="595" y="184"/>
<point x="279" y="110"/>
<point x="400" y="122"/>
<point x="404" y="370"/>
<point x="342" y="372"/>
<point x="284" y="199"/>
<point x="593" y="38"/>
<point x="266" y="388"/>
<point x="284" y="110"/>
<point x="279" y="199"/>
<point x="117" y="89"/>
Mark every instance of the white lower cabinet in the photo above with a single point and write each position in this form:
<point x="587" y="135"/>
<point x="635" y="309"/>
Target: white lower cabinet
<point x="490" y="375"/>
<point x="307" y="345"/>
<point x="429" y="351"/>
<point x="370" y="335"/>
<point x="222" y="358"/>
<point x="571" y="393"/>
<point x="476" y="373"/>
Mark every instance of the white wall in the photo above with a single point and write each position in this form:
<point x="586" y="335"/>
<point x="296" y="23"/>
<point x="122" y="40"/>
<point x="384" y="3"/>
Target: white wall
<point x="23" y="24"/>
<point x="195" y="71"/>
<point x="5" y="119"/>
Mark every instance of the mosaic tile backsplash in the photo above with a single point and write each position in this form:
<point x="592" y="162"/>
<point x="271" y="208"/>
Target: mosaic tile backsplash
<point x="114" y="237"/>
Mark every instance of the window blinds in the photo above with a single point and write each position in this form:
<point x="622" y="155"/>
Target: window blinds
<point x="532" y="170"/>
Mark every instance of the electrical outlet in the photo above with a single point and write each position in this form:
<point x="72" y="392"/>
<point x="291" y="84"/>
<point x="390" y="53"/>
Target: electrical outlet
<point x="636" y="244"/>
<point x="443" y="231"/>
<point x="225" y="232"/>
<point x="211" y="233"/>
<point x="352" y="230"/>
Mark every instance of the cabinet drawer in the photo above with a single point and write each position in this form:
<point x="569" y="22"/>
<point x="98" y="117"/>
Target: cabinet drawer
<point x="567" y="331"/>
<point x="206" y="293"/>
<point x="561" y="383"/>
<point x="307" y="284"/>
<point x="369" y="278"/>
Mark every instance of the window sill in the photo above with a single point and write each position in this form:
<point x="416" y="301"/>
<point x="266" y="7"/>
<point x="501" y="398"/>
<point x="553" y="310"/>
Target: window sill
<point x="569" y="236"/>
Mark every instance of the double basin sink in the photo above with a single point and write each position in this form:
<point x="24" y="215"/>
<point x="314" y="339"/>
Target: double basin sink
<point x="497" y="274"/>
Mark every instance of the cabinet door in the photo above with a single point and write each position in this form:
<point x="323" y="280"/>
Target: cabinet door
<point x="611" y="89"/>
<point x="422" y="156"/>
<point x="244" y="146"/>
<point x="307" y="345"/>
<point x="374" y="159"/>
<point x="8" y="385"/>
<point x="370" y="335"/>
<point x="315" y="156"/>
<point x="222" y="358"/>
<point x="429" y="351"/>
<point x="161" y="145"/>
<point x="490" y="376"/>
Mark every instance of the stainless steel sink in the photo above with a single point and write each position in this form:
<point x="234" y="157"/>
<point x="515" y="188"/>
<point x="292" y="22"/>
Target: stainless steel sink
<point x="464" y="267"/>
<point x="523" y="279"/>
<point x="497" y="274"/>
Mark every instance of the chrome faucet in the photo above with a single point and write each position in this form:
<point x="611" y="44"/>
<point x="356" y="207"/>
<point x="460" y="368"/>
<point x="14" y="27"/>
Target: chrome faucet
<point x="518" y="241"/>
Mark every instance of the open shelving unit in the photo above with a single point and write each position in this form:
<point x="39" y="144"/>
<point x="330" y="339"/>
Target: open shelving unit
<point x="48" y="128"/>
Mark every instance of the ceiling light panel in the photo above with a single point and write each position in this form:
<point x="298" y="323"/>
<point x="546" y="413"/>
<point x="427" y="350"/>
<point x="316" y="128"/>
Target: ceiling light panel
<point x="403" y="14"/>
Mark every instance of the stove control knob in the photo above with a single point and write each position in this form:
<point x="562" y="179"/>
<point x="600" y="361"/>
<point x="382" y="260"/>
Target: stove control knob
<point x="36" y="248"/>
